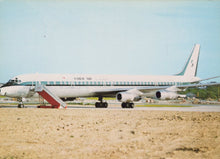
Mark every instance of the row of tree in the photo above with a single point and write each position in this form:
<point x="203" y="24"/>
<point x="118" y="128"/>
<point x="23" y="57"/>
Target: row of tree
<point x="212" y="92"/>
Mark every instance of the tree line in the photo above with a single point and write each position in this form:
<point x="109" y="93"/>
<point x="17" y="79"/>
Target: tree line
<point x="212" y="92"/>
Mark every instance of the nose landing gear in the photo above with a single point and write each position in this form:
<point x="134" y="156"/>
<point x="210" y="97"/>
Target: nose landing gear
<point x="21" y="104"/>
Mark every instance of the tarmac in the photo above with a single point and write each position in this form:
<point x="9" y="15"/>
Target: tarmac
<point x="189" y="108"/>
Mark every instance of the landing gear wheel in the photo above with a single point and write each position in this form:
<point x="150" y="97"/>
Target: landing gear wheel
<point x="105" y="105"/>
<point x="97" y="104"/>
<point x="127" y="105"/>
<point x="101" y="105"/>
<point x="20" y="105"/>
<point x="123" y="105"/>
<point x="131" y="105"/>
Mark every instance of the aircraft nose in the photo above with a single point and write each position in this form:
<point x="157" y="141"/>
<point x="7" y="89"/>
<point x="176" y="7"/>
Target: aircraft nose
<point x="2" y="92"/>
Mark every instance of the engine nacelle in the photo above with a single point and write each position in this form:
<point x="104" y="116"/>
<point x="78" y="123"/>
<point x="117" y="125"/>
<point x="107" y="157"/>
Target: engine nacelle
<point x="166" y="95"/>
<point x="127" y="97"/>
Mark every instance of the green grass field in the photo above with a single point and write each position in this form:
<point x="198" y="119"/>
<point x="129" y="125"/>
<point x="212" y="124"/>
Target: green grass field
<point x="162" y="105"/>
<point x="96" y="98"/>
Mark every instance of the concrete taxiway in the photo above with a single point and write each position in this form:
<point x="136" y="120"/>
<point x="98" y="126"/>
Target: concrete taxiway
<point x="192" y="108"/>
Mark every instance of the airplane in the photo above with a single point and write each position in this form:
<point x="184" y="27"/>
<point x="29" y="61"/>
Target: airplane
<point x="57" y="88"/>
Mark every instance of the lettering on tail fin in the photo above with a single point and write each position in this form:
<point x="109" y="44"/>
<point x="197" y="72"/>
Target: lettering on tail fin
<point x="190" y="68"/>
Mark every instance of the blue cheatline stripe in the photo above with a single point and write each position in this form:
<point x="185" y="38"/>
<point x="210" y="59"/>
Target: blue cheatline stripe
<point x="96" y="83"/>
<point x="26" y="83"/>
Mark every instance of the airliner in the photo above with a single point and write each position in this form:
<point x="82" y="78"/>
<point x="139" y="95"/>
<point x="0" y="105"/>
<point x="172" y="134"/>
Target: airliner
<point x="126" y="88"/>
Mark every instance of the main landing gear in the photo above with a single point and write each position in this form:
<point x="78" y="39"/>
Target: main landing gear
<point x="101" y="104"/>
<point x="127" y="105"/>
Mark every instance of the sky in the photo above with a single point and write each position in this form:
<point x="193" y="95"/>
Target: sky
<point x="131" y="37"/>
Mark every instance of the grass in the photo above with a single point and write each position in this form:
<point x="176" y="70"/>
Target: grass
<point x="96" y="98"/>
<point x="80" y="103"/>
<point x="162" y="105"/>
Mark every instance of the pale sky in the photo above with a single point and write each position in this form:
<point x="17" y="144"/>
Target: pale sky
<point x="107" y="37"/>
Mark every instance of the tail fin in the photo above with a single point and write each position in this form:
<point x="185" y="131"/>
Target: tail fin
<point x="190" y="68"/>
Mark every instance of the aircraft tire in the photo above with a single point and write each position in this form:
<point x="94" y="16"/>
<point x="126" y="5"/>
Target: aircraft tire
<point x="101" y="105"/>
<point x="20" y="105"/>
<point x="123" y="105"/>
<point x="105" y="105"/>
<point x="127" y="105"/>
<point x="97" y="105"/>
<point x="131" y="105"/>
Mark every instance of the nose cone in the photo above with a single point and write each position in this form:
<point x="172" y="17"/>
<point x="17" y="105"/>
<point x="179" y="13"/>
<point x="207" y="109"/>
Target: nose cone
<point x="2" y="92"/>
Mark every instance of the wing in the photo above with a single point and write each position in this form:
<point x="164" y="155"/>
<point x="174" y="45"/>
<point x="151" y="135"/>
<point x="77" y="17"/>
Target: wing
<point x="206" y="79"/>
<point x="110" y="92"/>
<point x="198" y="85"/>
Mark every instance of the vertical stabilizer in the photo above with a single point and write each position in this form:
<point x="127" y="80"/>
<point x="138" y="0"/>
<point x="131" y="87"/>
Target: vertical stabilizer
<point x="190" y="68"/>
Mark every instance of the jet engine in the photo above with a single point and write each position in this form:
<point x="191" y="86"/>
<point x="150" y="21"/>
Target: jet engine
<point x="127" y="97"/>
<point x="163" y="94"/>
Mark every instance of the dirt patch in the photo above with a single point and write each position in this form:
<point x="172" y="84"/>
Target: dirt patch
<point x="104" y="133"/>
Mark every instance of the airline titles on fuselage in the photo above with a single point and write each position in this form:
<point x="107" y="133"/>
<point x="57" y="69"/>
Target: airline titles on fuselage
<point x="83" y="78"/>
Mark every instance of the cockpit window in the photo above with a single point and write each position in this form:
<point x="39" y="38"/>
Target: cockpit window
<point x="12" y="82"/>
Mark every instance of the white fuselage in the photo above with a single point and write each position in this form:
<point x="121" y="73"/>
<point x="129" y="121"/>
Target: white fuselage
<point x="79" y="85"/>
